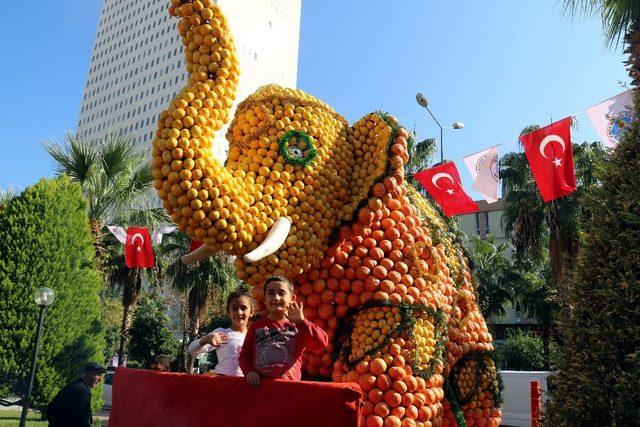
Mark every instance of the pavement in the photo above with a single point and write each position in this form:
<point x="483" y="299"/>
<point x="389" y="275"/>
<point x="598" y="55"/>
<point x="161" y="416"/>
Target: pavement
<point x="102" y="416"/>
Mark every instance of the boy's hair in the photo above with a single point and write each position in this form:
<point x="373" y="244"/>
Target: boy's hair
<point x="241" y="292"/>
<point x="278" y="278"/>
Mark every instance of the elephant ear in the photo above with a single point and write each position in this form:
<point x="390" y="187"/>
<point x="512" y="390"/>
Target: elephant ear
<point x="379" y="147"/>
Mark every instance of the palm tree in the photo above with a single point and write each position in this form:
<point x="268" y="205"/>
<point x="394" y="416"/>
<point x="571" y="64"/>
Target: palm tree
<point x="129" y="281"/>
<point x="420" y="156"/>
<point x="620" y="20"/>
<point x="538" y="227"/>
<point x="112" y="174"/>
<point x="202" y="283"/>
<point x="492" y="270"/>
<point x="546" y="236"/>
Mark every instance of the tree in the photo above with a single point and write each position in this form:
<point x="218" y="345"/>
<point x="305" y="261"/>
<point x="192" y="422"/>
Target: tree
<point x="620" y="20"/>
<point x="494" y="274"/>
<point x="150" y="336"/>
<point x="598" y="368"/>
<point x="123" y="278"/>
<point x="111" y="317"/>
<point x="202" y="282"/>
<point x="538" y="227"/>
<point x="45" y="241"/>
<point x="546" y="236"/>
<point x="113" y="176"/>
<point x="420" y="155"/>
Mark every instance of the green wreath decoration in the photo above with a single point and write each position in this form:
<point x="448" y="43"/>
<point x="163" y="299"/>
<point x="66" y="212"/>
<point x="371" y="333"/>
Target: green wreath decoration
<point x="408" y="313"/>
<point x="295" y="155"/>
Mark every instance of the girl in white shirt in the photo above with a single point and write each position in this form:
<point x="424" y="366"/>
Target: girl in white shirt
<point x="227" y="342"/>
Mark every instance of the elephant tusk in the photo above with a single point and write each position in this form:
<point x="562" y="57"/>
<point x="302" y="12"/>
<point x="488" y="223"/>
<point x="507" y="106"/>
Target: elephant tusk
<point x="196" y="255"/>
<point x="276" y="237"/>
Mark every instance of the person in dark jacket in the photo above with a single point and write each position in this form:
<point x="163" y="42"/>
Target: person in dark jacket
<point x="72" y="405"/>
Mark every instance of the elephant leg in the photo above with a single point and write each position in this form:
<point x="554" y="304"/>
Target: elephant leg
<point x="395" y="353"/>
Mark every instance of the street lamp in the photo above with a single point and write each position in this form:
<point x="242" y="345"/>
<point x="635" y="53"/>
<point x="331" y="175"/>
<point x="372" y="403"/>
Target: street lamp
<point x="44" y="298"/>
<point x="424" y="102"/>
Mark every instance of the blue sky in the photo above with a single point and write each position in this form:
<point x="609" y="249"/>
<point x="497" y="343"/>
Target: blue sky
<point x="496" y="65"/>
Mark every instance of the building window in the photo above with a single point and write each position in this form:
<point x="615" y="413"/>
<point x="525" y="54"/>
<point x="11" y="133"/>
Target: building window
<point x="487" y="227"/>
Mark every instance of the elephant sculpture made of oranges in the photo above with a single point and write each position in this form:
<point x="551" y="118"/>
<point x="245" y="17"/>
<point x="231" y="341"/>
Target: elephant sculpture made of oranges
<point x="307" y="196"/>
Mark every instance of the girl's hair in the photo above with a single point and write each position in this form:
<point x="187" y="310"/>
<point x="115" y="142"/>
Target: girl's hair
<point x="278" y="278"/>
<point x="241" y="292"/>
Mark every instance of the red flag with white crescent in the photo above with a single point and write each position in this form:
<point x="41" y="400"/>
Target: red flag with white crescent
<point x="138" y="252"/>
<point x="194" y="244"/>
<point x="444" y="185"/>
<point x="550" y="156"/>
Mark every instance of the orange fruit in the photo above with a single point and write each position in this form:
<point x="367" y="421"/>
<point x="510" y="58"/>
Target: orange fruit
<point x="367" y="382"/>
<point x="374" y="421"/>
<point x="392" y="398"/>
<point x="392" y="421"/>
<point x="375" y="395"/>
<point x="382" y="409"/>
<point x="377" y="366"/>
<point x="384" y="382"/>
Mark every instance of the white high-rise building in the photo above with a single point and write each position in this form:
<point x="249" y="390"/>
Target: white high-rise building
<point x="138" y="62"/>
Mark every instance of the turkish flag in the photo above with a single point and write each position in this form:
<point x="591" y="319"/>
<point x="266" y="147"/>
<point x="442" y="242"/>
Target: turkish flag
<point x="194" y="245"/>
<point x="137" y="248"/>
<point x="550" y="156"/>
<point x="443" y="183"/>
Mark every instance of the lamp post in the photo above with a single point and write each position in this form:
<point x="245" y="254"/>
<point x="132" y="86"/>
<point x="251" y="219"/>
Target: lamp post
<point x="44" y="298"/>
<point x="424" y="102"/>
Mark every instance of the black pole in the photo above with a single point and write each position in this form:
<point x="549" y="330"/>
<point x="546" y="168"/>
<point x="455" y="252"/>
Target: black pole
<point x="34" y="361"/>
<point x="441" y="133"/>
<point x="441" y="149"/>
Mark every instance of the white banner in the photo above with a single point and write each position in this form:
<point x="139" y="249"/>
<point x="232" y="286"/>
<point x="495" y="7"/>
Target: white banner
<point x="605" y="117"/>
<point x="483" y="167"/>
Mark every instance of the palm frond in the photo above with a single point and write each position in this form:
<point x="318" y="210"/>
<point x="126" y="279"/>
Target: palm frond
<point x="617" y="15"/>
<point x="617" y="18"/>
<point x="73" y="157"/>
<point x="117" y="155"/>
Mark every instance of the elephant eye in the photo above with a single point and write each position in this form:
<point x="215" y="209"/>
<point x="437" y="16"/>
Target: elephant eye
<point x="295" y="152"/>
<point x="297" y="148"/>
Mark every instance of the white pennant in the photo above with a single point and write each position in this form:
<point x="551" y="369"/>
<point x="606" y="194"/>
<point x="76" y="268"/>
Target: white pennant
<point x="605" y="117"/>
<point x="483" y="167"/>
<point x="118" y="232"/>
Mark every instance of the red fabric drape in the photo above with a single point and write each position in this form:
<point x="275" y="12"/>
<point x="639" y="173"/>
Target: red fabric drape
<point x="147" y="398"/>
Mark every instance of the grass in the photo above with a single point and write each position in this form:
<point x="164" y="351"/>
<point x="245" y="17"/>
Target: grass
<point x="12" y="419"/>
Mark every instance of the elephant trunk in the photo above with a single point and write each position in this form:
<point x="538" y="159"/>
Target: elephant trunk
<point x="203" y="197"/>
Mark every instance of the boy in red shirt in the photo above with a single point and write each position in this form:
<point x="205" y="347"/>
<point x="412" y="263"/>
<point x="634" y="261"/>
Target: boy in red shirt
<point x="273" y="346"/>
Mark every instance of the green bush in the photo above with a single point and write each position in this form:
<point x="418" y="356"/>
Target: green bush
<point x="522" y="352"/>
<point x="45" y="241"/>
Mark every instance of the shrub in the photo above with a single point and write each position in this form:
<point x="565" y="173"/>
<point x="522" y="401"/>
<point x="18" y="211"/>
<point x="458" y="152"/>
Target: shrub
<point x="522" y="351"/>
<point x="45" y="241"/>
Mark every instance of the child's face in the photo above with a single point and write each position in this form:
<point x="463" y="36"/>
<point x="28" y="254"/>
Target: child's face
<point x="240" y="311"/>
<point x="277" y="297"/>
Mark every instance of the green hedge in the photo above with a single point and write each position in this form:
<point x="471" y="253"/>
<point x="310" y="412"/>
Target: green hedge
<point x="522" y="351"/>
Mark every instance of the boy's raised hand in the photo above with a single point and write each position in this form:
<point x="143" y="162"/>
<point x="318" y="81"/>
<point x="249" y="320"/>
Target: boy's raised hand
<point x="295" y="312"/>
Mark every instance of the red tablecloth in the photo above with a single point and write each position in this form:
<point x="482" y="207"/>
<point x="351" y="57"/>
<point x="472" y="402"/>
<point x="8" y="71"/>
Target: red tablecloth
<point x="147" y="398"/>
